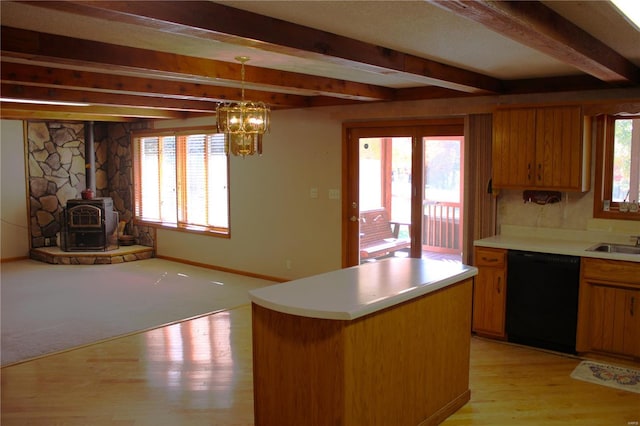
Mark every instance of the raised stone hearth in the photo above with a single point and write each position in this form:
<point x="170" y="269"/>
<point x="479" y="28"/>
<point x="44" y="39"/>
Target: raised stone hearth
<point x="56" y="256"/>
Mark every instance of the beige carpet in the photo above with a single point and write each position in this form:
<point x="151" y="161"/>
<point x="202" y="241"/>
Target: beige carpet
<point x="608" y="375"/>
<point x="49" y="308"/>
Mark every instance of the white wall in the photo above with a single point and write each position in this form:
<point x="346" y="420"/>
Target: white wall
<point x="274" y="222"/>
<point x="14" y="232"/>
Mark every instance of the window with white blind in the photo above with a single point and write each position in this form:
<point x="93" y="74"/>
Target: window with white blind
<point x="181" y="180"/>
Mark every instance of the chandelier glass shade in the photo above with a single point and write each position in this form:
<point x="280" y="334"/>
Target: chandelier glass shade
<point x="243" y="123"/>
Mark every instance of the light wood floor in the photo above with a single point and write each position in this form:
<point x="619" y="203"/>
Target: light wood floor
<point x="199" y="373"/>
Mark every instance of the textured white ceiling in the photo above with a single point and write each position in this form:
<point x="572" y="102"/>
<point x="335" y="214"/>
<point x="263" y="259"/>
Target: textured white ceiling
<point x="414" y="27"/>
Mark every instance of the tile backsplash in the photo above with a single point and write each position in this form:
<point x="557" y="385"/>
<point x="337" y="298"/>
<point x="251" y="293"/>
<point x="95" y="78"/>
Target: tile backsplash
<point x="572" y="212"/>
<point x="571" y="218"/>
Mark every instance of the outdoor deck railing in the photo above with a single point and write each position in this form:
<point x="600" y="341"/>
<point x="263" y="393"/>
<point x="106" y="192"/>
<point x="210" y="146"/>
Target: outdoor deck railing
<point x="441" y="226"/>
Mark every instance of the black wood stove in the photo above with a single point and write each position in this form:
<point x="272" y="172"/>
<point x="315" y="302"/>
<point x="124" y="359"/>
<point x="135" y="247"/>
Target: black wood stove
<point x="89" y="225"/>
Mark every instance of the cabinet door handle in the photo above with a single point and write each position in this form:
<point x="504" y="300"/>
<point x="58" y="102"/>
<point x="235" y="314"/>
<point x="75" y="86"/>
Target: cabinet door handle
<point x="633" y="302"/>
<point x="489" y="259"/>
<point x="539" y="171"/>
<point x="529" y="171"/>
<point x="499" y="287"/>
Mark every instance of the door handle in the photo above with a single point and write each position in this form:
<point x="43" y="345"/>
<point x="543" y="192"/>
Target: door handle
<point x="354" y="219"/>
<point x="539" y="171"/>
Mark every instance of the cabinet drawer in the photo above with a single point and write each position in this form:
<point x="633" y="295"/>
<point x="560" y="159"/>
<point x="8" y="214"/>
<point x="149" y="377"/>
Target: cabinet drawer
<point x="611" y="270"/>
<point x="490" y="257"/>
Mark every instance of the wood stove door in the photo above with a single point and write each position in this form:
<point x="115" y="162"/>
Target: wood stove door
<point x="85" y="229"/>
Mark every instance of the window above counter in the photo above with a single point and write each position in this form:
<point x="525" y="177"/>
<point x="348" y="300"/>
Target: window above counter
<point x="617" y="174"/>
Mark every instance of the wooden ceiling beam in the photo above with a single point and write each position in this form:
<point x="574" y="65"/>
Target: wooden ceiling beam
<point x="24" y="111"/>
<point x="8" y="112"/>
<point x="18" y="91"/>
<point x="27" y="74"/>
<point x="554" y="84"/>
<point x="427" y="92"/>
<point x="53" y="49"/>
<point x="214" y="21"/>
<point x="536" y="25"/>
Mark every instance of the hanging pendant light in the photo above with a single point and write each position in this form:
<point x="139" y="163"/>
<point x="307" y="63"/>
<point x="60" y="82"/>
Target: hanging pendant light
<point x="243" y="123"/>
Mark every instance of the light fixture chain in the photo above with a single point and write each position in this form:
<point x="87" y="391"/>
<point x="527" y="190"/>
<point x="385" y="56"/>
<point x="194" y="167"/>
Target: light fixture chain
<point x="242" y="76"/>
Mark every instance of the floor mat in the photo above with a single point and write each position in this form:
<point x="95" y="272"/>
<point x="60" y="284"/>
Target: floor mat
<point x="608" y="375"/>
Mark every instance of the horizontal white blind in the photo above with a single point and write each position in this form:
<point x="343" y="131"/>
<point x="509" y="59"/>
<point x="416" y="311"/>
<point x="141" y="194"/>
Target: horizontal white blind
<point x="182" y="180"/>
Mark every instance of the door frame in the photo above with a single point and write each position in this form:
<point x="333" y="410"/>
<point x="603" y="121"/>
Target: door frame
<point x="352" y="131"/>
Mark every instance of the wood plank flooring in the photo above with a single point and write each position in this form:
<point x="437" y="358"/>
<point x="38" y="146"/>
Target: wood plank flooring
<point x="199" y="372"/>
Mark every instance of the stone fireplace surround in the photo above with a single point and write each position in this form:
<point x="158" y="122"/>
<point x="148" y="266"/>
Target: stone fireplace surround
<point x="56" y="173"/>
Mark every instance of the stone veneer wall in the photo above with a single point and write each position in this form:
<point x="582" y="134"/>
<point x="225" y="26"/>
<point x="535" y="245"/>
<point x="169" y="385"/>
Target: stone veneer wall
<point x="57" y="173"/>
<point x="120" y="175"/>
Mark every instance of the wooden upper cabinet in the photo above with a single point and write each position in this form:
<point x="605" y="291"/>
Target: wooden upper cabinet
<point x="541" y="148"/>
<point x="514" y="147"/>
<point x="559" y="148"/>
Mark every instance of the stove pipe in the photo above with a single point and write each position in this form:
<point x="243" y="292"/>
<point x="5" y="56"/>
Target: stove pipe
<point x="89" y="157"/>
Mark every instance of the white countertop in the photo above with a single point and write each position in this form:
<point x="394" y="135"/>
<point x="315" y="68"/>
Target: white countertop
<point x="350" y="293"/>
<point x="551" y="245"/>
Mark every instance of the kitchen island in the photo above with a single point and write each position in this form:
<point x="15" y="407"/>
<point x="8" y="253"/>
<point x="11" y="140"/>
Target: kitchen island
<point x="377" y="344"/>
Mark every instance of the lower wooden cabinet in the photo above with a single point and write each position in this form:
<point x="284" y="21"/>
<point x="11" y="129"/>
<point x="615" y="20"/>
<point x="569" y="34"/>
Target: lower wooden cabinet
<point x="609" y="308"/>
<point x="490" y="292"/>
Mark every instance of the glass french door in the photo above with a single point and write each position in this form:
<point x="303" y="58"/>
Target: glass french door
<point x="442" y="198"/>
<point x="403" y="192"/>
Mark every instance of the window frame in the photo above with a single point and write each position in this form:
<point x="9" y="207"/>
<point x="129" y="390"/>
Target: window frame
<point x="604" y="137"/>
<point x="178" y="226"/>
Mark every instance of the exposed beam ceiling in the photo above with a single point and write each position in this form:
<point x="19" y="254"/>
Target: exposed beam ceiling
<point x="535" y="25"/>
<point x="162" y="66"/>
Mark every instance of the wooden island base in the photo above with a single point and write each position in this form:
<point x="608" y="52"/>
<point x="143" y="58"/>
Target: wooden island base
<point x="403" y="365"/>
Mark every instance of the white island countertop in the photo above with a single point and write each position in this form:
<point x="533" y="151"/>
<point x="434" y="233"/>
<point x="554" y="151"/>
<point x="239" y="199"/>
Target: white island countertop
<point x="351" y="293"/>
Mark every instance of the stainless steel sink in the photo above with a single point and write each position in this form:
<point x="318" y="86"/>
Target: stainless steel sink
<point x="615" y="248"/>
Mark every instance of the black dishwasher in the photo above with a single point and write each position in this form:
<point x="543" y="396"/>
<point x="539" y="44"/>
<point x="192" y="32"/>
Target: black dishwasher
<point x="542" y="300"/>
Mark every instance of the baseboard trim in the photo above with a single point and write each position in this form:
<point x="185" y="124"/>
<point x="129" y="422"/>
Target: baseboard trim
<point x="442" y="414"/>
<point x="13" y="259"/>
<point x="223" y="269"/>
